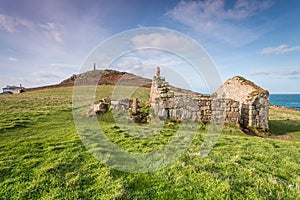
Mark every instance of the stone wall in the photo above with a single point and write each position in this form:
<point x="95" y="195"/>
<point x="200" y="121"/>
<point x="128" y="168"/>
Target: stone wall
<point x="227" y="110"/>
<point x="238" y="101"/>
<point x="259" y="111"/>
<point x="117" y="105"/>
<point x="177" y="106"/>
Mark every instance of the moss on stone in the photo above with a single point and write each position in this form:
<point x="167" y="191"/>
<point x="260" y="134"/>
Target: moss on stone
<point x="245" y="81"/>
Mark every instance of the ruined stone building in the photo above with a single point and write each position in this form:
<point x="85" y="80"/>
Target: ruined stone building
<point x="237" y="101"/>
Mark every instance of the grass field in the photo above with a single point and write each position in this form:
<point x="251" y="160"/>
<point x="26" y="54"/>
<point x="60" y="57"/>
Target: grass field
<point x="285" y="122"/>
<point x="42" y="157"/>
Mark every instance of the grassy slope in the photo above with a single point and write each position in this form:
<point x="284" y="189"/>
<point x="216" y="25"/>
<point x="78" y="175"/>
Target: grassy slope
<point x="285" y="122"/>
<point x="42" y="157"/>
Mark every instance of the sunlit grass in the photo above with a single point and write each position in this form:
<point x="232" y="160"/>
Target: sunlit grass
<point x="42" y="157"/>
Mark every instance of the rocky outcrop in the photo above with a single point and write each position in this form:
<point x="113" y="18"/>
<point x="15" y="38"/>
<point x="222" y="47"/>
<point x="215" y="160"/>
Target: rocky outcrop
<point x="100" y="77"/>
<point x="107" y="77"/>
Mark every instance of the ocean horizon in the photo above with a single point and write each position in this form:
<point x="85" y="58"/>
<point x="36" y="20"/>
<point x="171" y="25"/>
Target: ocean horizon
<point x="286" y="100"/>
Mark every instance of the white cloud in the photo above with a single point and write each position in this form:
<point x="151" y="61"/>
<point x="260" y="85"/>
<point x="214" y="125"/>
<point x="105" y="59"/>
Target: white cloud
<point x="11" y="24"/>
<point x="53" y="31"/>
<point x="14" y="24"/>
<point x="212" y="18"/>
<point x="282" y="49"/>
<point x="128" y="63"/>
<point x="12" y="59"/>
<point x="46" y="75"/>
<point x="245" y="8"/>
<point x="167" y="41"/>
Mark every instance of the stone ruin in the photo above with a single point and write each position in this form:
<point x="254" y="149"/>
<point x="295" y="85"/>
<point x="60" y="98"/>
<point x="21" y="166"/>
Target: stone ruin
<point x="117" y="105"/>
<point x="237" y="101"/>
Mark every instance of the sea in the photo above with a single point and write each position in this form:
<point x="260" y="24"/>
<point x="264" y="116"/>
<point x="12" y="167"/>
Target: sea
<point x="286" y="100"/>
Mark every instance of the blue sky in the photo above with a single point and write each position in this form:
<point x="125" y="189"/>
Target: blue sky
<point x="44" y="42"/>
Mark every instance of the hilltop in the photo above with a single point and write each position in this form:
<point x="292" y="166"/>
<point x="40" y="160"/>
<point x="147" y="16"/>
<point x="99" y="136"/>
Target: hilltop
<point x="102" y="77"/>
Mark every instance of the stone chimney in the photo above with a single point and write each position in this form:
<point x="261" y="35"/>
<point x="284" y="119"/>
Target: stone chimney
<point x="94" y="67"/>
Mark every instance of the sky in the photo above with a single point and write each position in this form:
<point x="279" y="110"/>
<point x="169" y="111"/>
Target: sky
<point x="44" y="42"/>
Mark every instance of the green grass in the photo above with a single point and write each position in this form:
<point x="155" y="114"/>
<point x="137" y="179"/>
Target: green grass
<point x="42" y="157"/>
<point x="285" y="123"/>
<point x="122" y="92"/>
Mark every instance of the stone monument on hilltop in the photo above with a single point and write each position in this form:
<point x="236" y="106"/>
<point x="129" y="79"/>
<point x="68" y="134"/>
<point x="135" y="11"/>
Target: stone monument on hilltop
<point x="95" y="67"/>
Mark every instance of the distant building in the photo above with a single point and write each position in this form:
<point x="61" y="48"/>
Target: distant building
<point x="13" y="89"/>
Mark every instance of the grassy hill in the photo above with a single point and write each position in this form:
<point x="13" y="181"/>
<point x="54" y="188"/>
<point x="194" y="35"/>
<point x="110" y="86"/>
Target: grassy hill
<point x="100" y="77"/>
<point x="42" y="157"/>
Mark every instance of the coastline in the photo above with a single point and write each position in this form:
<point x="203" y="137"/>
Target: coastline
<point x="276" y="107"/>
<point x="286" y="100"/>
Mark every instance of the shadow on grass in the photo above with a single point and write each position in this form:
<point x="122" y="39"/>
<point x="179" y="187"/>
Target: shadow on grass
<point x="283" y="127"/>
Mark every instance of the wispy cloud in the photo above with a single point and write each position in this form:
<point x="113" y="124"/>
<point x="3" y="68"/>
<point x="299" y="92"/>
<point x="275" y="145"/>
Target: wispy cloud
<point x="214" y="19"/>
<point x="290" y="73"/>
<point x="282" y="49"/>
<point x="163" y="41"/>
<point x="11" y="24"/>
<point x="128" y="62"/>
<point x="260" y="73"/>
<point x="12" y="59"/>
<point x="244" y="8"/>
<point x="46" y="75"/>
<point x="64" y="65"/>
<point x="15" y="24"/>
<point x="37" y="78"/>
<point x="53" y="31"/>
